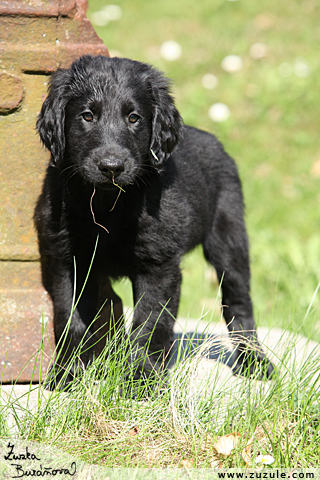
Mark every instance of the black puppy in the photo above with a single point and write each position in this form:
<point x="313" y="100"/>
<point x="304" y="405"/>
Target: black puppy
<point x="122" y="160"/>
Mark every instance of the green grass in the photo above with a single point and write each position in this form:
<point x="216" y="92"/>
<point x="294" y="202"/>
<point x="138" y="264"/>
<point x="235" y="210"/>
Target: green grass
<point x="112" y="423"/>
<point x="272" y="133"/>
<point x="109" y="419"/>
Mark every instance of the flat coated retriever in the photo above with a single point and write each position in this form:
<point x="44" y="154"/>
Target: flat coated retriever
<point x="124" y="167"/>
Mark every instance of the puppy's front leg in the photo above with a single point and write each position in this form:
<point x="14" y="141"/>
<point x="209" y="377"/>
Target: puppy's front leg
<point x="72" y="317"/>
<point x="156" y="297"/>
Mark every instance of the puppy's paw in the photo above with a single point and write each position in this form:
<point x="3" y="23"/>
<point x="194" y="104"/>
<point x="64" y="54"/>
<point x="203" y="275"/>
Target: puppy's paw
<point x="253" y="363"/>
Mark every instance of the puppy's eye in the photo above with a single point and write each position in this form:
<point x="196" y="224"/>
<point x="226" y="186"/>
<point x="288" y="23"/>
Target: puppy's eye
<point x="87" y="116"/>
<point x="133" y="118"/>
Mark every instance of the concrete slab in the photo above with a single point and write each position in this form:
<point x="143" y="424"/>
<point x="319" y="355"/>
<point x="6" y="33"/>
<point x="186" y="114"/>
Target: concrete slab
<point x="275" y="340"/>
<point x="287" y="351"/>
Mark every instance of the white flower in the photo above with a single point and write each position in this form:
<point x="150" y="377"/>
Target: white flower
<point x="301" y="69"/>
<point x="107" y="14"/>
<point x="209" y="81"/>
<point x="170" y="50"/>
<point x="231" y="63"/>
<point x="258" y="50"/>
<point x="100" y="18"/>
<point x="219" y="112"/>
<point x="265" y="459"/>
<point x="44" y="319"/>
<point x="114" y="12"/>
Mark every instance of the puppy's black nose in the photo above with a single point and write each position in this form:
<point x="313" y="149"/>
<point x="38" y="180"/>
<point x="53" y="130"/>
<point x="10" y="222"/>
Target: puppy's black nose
<point x="111" y="168"/>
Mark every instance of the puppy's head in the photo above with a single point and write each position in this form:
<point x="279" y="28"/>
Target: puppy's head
<point x="109" y="119"/>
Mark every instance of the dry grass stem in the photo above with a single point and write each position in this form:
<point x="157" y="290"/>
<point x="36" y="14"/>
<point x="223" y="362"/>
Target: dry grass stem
<point x="94" y="219"/>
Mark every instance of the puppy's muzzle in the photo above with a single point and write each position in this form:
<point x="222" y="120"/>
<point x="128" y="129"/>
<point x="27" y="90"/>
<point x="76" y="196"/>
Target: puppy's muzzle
<point x="111" y="168"/>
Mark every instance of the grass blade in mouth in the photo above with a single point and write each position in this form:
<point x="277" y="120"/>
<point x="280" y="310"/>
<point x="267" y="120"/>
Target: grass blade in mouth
<point x="116" y="185"/>
<point x="121" y="190"/>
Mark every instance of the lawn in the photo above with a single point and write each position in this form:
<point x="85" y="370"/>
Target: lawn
<point x="272" y="132"/>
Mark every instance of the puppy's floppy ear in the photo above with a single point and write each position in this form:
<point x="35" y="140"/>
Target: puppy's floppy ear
<point x="50" y="123"/>
<point x="166" y="120"/>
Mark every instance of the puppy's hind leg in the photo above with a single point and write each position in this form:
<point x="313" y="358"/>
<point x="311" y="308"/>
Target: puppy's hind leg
<point x="226" y="248"/>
